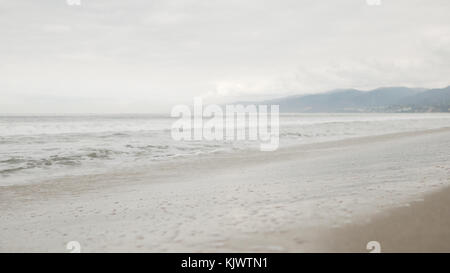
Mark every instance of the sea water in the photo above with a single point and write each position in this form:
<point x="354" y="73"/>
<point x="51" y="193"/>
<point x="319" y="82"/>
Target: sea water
<point x="38" y="147"/>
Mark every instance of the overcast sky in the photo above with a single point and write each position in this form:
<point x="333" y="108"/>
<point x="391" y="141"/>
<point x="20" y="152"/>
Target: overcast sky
<point x="147" y="55"/>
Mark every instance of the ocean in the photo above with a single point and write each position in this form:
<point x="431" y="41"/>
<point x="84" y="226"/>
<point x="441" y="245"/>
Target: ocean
<point x="34" y="148"/>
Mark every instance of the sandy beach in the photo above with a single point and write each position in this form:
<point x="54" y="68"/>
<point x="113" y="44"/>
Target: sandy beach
<point x="423" y="226"/>
<point x="332" y="196"/>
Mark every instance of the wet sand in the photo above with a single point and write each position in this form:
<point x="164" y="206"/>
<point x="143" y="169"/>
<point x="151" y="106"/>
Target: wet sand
<point x="330" y="196"/>
<point x="423" y="226"/>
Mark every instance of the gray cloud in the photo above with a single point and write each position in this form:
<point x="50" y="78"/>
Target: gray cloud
<point x="145" y="56"/>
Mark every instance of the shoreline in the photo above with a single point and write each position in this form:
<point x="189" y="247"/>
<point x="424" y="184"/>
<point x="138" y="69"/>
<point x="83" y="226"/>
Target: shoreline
<point x="256" y="156"/>
<point x="288" y="200"/>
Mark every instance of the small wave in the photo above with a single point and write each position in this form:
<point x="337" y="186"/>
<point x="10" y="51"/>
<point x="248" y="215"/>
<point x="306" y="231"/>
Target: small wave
<point x="119" y="134"/>
<point x="161" y="147"/>
<point x="65" y="160"/>
<point x="186" y="148"/>
<point x="11" y="170"/>
<point x="7" y="141"/>
<point x="292" y="135"/>
<point x="212" y="145"/>
<point x="146" y="147"/>
<point x="100" y="154"/>
<point x="13" y="160"/>
<point x="115" y="135"/>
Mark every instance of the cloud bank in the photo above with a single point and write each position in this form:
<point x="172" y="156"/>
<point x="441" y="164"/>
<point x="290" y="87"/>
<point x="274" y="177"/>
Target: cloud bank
<point x="145" y="56"/>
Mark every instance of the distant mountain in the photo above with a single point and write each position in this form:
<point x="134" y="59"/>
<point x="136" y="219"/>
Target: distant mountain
<point x="387" y="99"/>
<point x="435" y="97"/>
